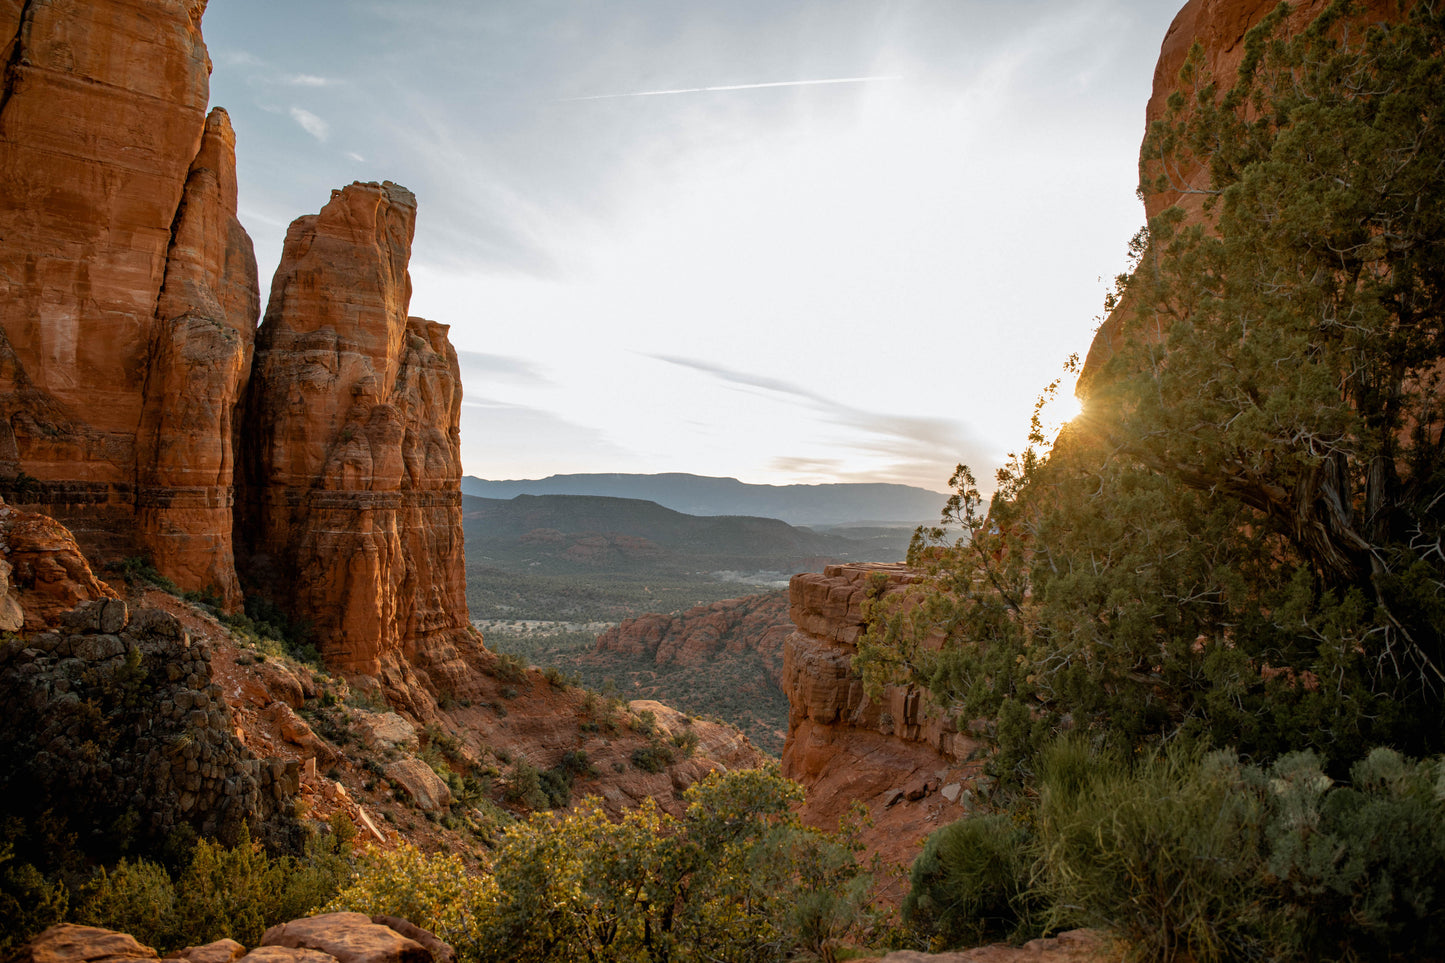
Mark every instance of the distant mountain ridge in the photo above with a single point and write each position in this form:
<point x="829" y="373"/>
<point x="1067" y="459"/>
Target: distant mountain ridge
<point x="835" y="504"/>
<point x="626" y="533"/>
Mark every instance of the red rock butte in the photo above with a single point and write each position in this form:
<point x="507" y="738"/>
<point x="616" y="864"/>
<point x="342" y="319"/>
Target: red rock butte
<point x="138" y="398"/>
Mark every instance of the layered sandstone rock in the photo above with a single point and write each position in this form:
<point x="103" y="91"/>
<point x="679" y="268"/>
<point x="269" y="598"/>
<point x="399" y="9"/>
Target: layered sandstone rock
<point x="353" y="498"/>
<point x="325" y="938"/>
<point x="754" y="623"/>
<point x="1219" y="27"/>
<point x="127" y="287"/>
<point x="902" y="758"/>
<point x="200" y="363"/>
<point x="43" y="573"/>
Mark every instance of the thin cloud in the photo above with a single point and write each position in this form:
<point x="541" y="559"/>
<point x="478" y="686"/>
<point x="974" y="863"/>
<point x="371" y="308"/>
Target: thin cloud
<point x="310" y="123"/>
<point x="497" y="366"/>
<point x="722" y="87"/>
<point x="744" y="378"/>
<point x="917" y="446"/>
<point x="239" y="58"/>
<point x="307" y="80"/>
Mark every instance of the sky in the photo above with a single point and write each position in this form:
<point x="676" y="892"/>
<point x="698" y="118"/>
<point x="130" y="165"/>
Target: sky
<point x="787" y="241"/>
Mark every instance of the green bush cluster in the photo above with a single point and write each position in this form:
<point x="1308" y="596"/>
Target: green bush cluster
<point x="738" y="878"/>
<point x="1201" y="856"/>
<point x="215" y="892"/>
<point x="654" y="757"/>
<point x="273" y="632"/>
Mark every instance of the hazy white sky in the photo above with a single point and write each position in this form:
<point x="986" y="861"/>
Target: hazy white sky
<point x="858" y="281"/>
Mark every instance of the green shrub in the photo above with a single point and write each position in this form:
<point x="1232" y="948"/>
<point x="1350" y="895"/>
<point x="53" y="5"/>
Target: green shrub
<point x="434" y="891"/>
<point x="235" y="892"/>
<point x="524" y="785"/>
<point x="1160" y="851"/>
<point x="653" y="757"/>
<point x="29" y="901"/>
<point x="1360" y="868"/>
<point x="510" y="667"/>
<point x="686" y="742"/>
<point x="971" y="883"/>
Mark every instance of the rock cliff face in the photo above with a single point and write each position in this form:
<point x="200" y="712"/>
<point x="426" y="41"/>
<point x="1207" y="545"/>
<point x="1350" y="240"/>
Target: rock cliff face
<point x="128" y="310"/>
<point x="754" y="623"/>
<point x="1219" y="26"/>
<point x="352" y="512"/>
<point x="127" y="288"/>
<point x="898" y="756"/>
<point x="127" y="725"/>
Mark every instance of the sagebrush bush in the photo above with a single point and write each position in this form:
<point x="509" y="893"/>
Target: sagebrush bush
<point x="1159" y="850"/>
<point x="971" y="883"/>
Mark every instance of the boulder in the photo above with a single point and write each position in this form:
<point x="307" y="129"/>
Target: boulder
<point x="385" y="730"/>
<point x="68" y="943"/>
<point x="425" y="787"/>
<point x="349" y="937"/>
<point x="45" y="574"/>
<point x="221" y="951"/>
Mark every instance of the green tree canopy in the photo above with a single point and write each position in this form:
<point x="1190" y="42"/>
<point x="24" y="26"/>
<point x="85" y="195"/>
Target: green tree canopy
<point x="1242" y="536"/>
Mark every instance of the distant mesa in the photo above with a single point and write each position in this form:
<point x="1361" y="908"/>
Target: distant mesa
<point x="825" y="505"/>
<point x="576" y="532"/>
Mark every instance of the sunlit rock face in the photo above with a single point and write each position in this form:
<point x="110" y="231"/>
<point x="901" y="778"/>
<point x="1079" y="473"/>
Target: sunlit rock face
<point x="128" y="290"/>
<point x="1219" y="26"/>
<point x="352" y="498"/>
<point x="898" y="755"/>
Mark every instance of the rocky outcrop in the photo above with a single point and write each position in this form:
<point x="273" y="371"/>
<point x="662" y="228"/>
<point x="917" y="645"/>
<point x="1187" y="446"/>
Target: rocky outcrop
<point x="754" y="623"/>
<point x="327" y="938"/>
<point x="128" y="736"/>
<point x="353" y="469"/>
<point x="901" y="757"/>
<point x="43" y="573"/>
<point x="1219" y="27"/>
<point x="127" y="288"/>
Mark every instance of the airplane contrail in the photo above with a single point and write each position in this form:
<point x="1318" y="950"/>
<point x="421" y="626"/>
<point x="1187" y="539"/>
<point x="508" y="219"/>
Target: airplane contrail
<point x="701" y="90"/>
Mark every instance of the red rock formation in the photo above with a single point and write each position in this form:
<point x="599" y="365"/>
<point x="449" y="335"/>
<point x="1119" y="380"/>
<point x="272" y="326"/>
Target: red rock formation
<point x="113" y="186"/>
<point x="899" y="756"/>
<point x="353" y="498"/>
<point x="754" y="623"/>
<point x="325" y="938"/>
<point x="200" y="362"/>
<point x="43" y="574"/>
<point x="1219" y="26"/>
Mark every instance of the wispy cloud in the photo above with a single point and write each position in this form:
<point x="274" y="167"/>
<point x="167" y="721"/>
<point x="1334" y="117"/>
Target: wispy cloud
<point x="310" y="123"/>
<point x="498" y="366"/>
<point x="239" y="58"/>
<point x="307" y="80"/>
<point x="722" y="87"/>
<point x="917" y="447"/>
<point x="747" y="379"/>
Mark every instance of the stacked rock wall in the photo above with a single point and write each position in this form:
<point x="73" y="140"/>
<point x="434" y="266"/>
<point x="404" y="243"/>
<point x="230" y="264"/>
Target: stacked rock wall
<point x="126" y="735"/>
